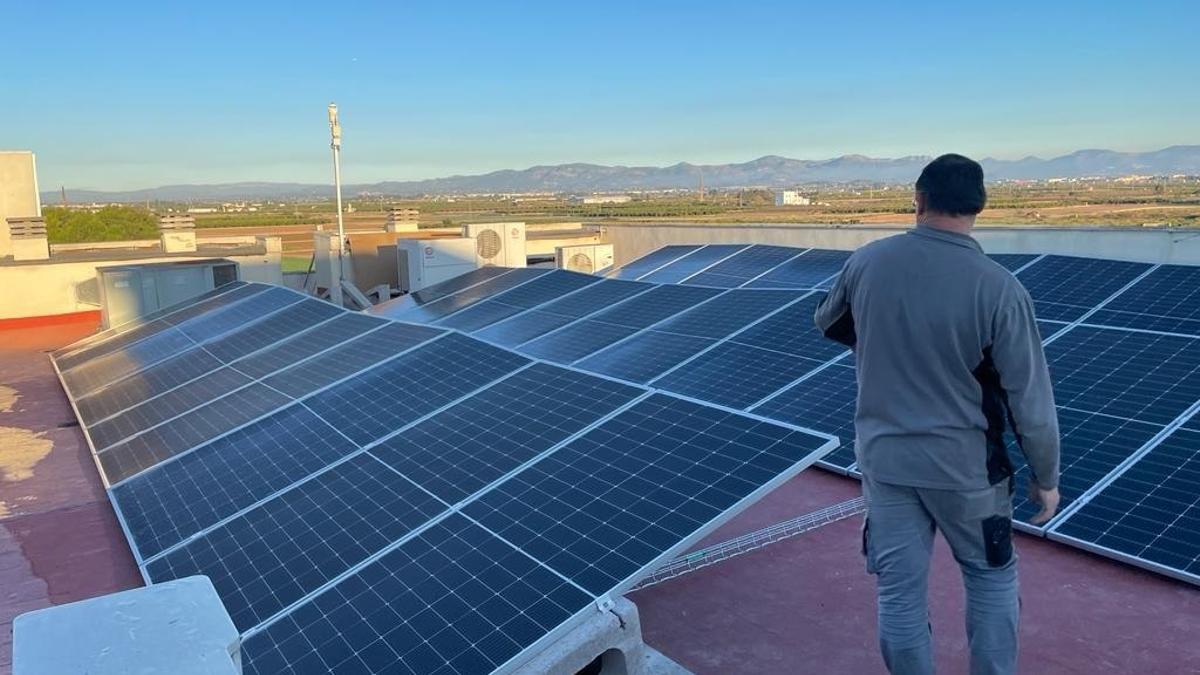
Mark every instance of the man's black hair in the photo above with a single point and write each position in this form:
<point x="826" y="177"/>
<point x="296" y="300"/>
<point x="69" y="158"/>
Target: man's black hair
<point x="953" y="184"/>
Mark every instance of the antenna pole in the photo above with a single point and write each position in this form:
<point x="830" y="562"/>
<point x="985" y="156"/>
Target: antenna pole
<point x="335" y="135"/>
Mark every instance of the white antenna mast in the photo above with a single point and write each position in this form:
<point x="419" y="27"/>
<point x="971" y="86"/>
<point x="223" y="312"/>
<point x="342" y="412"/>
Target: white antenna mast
<point x="335" y="134"/>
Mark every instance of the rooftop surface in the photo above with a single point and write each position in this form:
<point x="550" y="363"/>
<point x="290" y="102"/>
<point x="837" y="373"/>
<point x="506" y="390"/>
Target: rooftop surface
<point x="802" y="605"/>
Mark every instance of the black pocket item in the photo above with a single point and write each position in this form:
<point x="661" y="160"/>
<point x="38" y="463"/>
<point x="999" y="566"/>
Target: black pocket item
<point x="997" y="540"/>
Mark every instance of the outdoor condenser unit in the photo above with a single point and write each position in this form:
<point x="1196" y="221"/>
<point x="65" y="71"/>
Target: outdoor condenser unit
<point x="424" y="262"/>
<point x="130" y="291"/>
<point x="586" y="258"/>
<point x="501" y="244"/>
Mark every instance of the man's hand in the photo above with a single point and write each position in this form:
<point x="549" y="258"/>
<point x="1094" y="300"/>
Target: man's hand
<point x="1048" y="500"/>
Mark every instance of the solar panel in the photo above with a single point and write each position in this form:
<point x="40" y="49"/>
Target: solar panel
<point x="269" y="557"/>
<point x="609" y="503"/>
<point x="727" y="313"/>
<point x="151" y="412"/>
<point x="90" y="376"/>
<point x="1013" y="261"/>
<point x="1168" y="300"/>
<point x="178" y="499"/>
<point x="1091" y="446"/>
<point x="198" y="426"/>
<point x="1065" y="288"/>
<point x="472" y="443"/>
<point x="280" y="326"/>
<point x="655" y="305"/>
<point x="140" y="322"/>
<point x="735" y="375"/>
<point x="652" y="261"/>
<point x="1143" y="376"/>
<point x="792" y="331"/>
<point x="537" y="322"/>
<point x="809" y="270"/>
<point x="692" y="263"/>
<point x="145" y="384"/>
<point x="437" y="309"/>
<point x="543" y="289"/>
<point x="459" y="283"/>
<point x="576" y="341"/>
<point x="341" y="330"/>
<point x="824" y="402"/>
<point x="236" y="315"/>
<point x="340" y="362"/>
<point x="384" y="398"/>
<point x="1150" y="514"/>
<point x="452" y="599"/>
<point x="1048" y="328"/>
<point x="744" y="266"/>
<point x="645" y="356"/>
<point x="150" y="326"/>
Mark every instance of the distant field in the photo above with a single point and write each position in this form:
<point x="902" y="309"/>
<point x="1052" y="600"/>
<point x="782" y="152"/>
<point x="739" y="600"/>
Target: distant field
<point x="1096" y="203"/>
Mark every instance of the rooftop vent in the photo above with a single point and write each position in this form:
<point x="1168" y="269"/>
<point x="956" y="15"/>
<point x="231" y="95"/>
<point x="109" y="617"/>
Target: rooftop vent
<point x="178" y="232"/>
<point x="29" y="240"/>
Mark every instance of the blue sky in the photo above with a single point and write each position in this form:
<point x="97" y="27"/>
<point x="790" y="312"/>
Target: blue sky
<point x="137" y="94"/>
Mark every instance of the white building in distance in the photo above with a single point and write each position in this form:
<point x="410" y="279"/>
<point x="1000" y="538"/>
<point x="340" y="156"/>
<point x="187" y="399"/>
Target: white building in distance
<point x="603" y="199"/>
<point x="790" y="198"/>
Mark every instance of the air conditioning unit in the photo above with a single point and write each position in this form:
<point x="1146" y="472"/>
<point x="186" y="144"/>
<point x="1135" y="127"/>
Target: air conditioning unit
<point x="424" y="262"/>
<point x="586" y="258"/>
<point x="498" y="243"/>
<point x="129" y="291"/>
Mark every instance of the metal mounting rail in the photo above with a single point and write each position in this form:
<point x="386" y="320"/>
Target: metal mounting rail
<point x="710" y="555"/>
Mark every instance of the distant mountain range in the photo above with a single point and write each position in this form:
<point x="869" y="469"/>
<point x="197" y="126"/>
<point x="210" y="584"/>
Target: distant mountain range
<point x="769" y="171"/>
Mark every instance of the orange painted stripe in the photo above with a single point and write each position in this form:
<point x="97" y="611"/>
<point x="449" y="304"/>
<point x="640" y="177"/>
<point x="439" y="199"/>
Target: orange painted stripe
<point x="91" y="315"/>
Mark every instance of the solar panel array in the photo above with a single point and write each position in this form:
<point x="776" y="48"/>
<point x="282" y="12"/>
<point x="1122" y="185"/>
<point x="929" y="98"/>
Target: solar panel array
<point x="1120" y="337"/>
<point x="363" y="492"/>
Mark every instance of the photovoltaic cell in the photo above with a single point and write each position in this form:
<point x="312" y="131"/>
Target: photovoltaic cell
<point x="454" y="599"/>
<point x="358" y="354"/>
<point x="1048" y="328"/>
<point x="1091" y="446"/>
<point x="735" y="375"/>
<point x="1065" y="288"/>
<point x="1013" y="261"/>
<point x="152" y="412"/>
<point x="807" y="271"/>
<point x="239" y="314"/>
<point x="1168" y="300"/>
<point x="1151" y="512"/>
<point x="537" y="322"/>
<point x="693" y="263"/>
<point x="143" y="385"/>
<point x="271" y="330"/>
<point x="213" y="304"/>
<point x="273" y="555"/>
<point x="652" y="261"/>
<point x="744" y="266"/>
<point x="824" y="402"/>
<point x="94" y="374"/>
<point x="470" y="444"/>
<point x="194" y="428"/>
<point x="609" y="503"/>
<point x="727" y="313"/>
<point x="1143" y="376"/>
<point x="385" y="398"/>
<point x="288" y="352"/>
<point x="178" y="499"/>
<point x="792" y="331"/>
<point x="576" y="341"/>
<point x="433" y="311"/>
<point x="521" y="329"/>
<point x="645" y="356"/>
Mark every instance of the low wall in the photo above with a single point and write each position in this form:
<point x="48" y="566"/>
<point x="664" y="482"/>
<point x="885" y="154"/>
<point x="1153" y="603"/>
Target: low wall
<point x="633" y="240"/>
<point x="66" y="287"/>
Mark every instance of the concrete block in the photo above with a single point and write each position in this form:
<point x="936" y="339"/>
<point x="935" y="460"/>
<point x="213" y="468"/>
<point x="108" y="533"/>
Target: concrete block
<point x="615" y="637"/>
<point x="178" y="627"/>
<point x="30" y="248"/>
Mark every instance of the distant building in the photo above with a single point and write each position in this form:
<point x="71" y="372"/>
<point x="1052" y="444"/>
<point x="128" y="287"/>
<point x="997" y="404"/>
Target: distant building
<point x="202" y="209"/>
<point x="602" y="199"/>
<point x="790" y="198"/>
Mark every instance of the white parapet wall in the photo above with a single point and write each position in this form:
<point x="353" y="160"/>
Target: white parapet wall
<point x="1156" y="245"/>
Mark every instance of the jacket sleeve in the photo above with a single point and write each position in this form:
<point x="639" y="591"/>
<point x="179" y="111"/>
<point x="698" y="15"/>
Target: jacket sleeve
<point x="833" y="316"/>
<point x="1021" y="363"/>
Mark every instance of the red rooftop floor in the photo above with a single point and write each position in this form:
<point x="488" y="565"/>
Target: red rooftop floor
<point x="804" y="605"/>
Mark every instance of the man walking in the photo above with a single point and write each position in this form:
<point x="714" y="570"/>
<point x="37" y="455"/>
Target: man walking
<point x="948" y="353"/>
